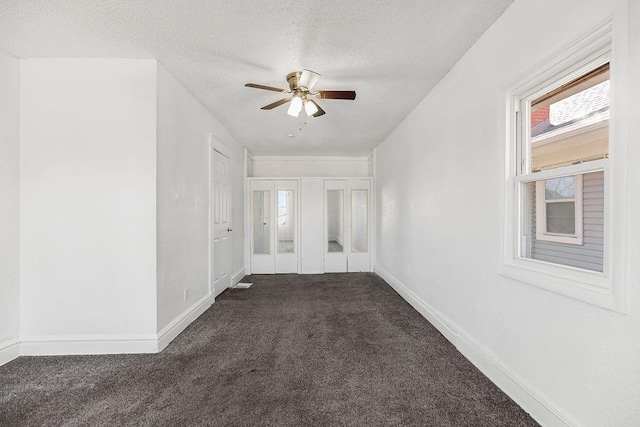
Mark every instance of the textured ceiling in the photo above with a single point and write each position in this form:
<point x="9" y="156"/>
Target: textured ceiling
<point x="391" y="53"/>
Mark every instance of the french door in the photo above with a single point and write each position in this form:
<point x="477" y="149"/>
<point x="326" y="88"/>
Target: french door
<point x="346" y="226"/>
<point x="359" y="229"/>
<point x="274" y="226"/>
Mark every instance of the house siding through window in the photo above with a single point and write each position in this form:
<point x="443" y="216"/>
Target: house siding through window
<point x="589" y="255"/>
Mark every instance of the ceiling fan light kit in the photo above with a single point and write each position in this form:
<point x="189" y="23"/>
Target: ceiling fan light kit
<point x="301" y="84"/>
<point x="310" y="108"/>
<point x="295" y="106"/>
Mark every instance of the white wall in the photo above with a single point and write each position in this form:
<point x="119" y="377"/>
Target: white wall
<point x="183" y="198"/>
<point x="268" y="166"/>
<point x="88" y="199"/>
<point x="9" y="202"/>
<point x="439" y="207"/>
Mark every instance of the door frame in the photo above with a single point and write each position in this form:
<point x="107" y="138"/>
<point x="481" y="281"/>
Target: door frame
<point x="215" y="145"/>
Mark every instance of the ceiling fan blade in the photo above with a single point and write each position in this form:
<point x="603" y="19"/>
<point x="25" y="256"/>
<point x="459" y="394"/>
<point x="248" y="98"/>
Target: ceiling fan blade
<point x="320" y="111"/>
<point x="256" y="86"/>
<point x="336" y="94"/>
<point x="308" y="79"/>
<point x="275" y="104"/>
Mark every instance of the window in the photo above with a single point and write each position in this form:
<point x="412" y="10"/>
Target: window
<point x="559" y="210"/>
<point x="563" y="213"/>
<point x="567" y="138"/>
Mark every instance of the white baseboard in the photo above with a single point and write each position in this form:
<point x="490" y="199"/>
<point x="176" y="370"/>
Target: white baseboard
<point x="179" y="324"/>
<point x="9" y="350"/>
<point x="524" y="394"/>
<point x="87" y="344"/>
<point x="238" y="277"/>
<point x="59" y="345"/>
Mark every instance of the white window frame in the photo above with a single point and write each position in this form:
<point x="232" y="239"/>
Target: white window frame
<point x="541" y="215"/>
<point x="606" y="288"/>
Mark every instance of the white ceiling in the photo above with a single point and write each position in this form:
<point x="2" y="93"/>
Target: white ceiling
<point x="391" y="53"/>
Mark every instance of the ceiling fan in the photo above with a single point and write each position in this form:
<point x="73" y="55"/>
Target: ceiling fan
<point x="300" y="87"/>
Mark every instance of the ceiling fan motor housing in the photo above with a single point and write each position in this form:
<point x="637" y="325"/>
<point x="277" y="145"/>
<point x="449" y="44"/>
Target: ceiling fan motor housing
<point x="292" y="79"/>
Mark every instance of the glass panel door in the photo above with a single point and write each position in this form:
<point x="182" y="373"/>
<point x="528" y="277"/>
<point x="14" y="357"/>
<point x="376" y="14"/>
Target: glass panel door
<point x="336" y="238"/>
<point x="335" y="222"/>
<point x="262" y="233"/>
<point x="286" y="226"/>
<point x="261" y="221"/>
<point x="286" y="221"/>
<point x="358" y="249"/>
<point x="359" y="221"/>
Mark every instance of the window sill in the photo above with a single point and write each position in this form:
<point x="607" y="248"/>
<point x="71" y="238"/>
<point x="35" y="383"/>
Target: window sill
<point x="588" y="286"/>
<point x="569" y="240"/>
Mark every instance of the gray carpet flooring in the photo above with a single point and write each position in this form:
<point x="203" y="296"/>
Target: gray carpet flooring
<point x="334" y="349"/>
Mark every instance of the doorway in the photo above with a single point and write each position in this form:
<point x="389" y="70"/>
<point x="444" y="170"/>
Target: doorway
<point x="274" y="226"/>
<point x="347" y="220"/>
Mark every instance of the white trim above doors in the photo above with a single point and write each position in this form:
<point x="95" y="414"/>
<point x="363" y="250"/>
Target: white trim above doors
<point x="218" y="146"/>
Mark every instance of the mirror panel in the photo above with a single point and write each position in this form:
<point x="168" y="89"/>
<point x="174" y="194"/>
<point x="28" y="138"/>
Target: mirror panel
<point x="260" y="217"/>
<point x="286" y="221"/>
<point x="359" y="221"/>
<point x="335" y="220"/>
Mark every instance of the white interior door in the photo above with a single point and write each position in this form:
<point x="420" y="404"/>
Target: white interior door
<point x="358" y="229"/>
<point x="286" y="226"/>
<point x="335" y="253"/>
<point x="262" y="231"/>
<point x="221" y="220"/>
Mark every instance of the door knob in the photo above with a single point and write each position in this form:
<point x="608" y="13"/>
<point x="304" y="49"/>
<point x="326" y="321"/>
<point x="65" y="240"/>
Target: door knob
<point x="228" y="229"/>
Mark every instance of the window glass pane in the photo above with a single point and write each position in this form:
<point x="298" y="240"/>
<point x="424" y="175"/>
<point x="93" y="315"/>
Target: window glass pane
<point x="282" y="207"/>
<point x="286" y="221"/>
<point x="260" y="203"/>
<point x="556" y="243"/>
<point x="359" y="221"/>
<point x="592" y="103"/>
<point x="561" y="218"/>
<point x="571" y="123"/>
<point x="588" y="106"/>
<point x="335" y="220"/>
<point x="560" y="188"/>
